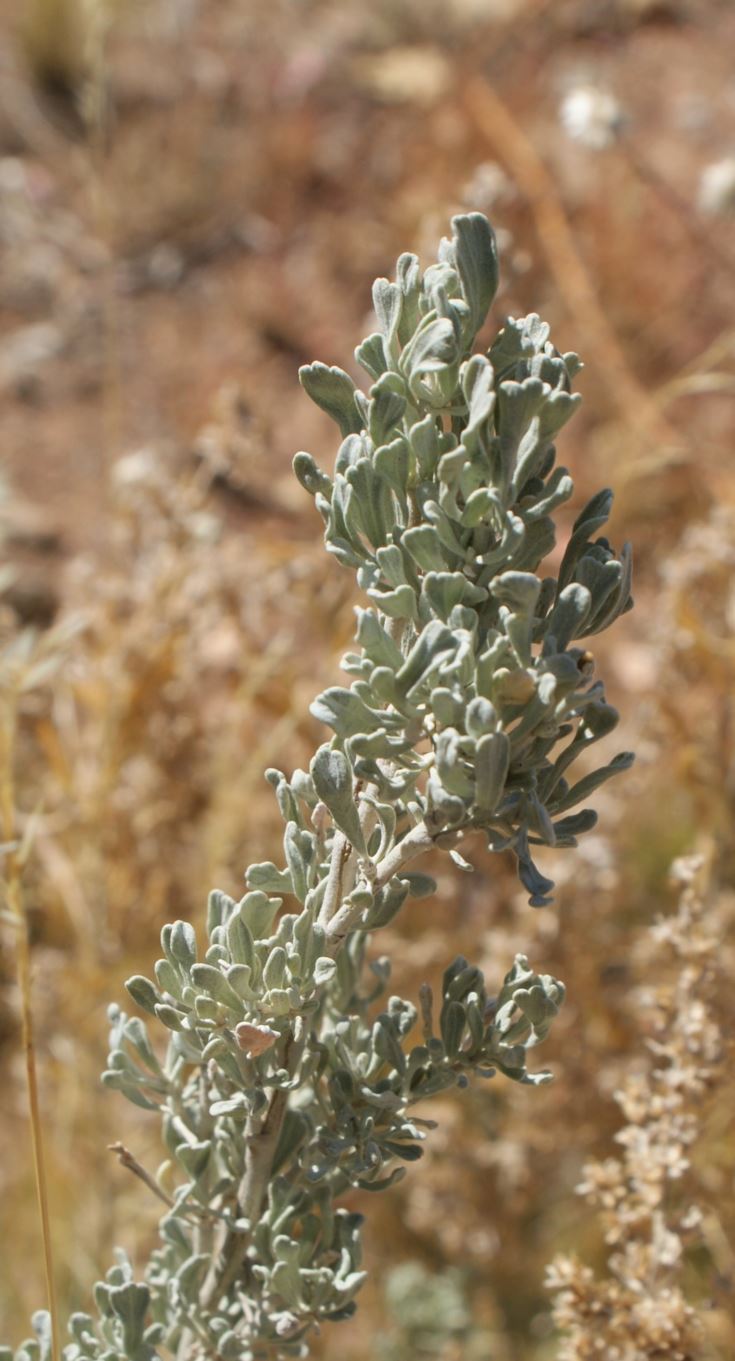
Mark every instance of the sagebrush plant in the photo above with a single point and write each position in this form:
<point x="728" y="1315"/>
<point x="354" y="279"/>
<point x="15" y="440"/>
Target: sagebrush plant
<point x="285" y="1086"/>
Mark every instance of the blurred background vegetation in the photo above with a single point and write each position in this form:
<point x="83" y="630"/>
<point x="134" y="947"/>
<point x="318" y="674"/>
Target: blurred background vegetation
<point x="195" y="196"/>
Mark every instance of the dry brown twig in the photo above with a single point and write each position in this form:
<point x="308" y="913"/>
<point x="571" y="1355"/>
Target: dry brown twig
<point x="23" y="665"/>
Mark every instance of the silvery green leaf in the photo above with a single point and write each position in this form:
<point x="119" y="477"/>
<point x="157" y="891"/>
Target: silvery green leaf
<point x="172" y="1231"/>
<point x="334" y="391"/>
<point x="377" y="644"/>
<point x="518" y="590"/>
<point x="386" y="1045"/>
<point x="387" y="405"/>
<point x="169" y="1016"/>
<point x="373" y="745"/>
<point x="257" y="911"/>
<point x="589" y="783"/>
<point x="444" y="809"/>
<point x="43" y="1346"/>
<point x="295" y="845"/>
<point x="236" y="1105"/>
<point x="397" y="604"/>
<point x="425" y="547"/>
<point x="181" y="945"/>
<point x="556" y="491"/>
<point x="538" y="886"/>
<point x="568" y="829"/>
<point x="387" y="904"/>
<point x="294" y="1132"/>
<point x="516" y="343"/>
<point x="612" y="599"/>
<point x="431" y="350"/>
<point x="419" y="885"/>
<point x="219" y="907"/>
<point x="190" y="1276"/>
<point x="589" y="520"/>
<point x="392" y="462"/>
<point x="136" y="1034"/>
<point x="452" y="466"/>
<point x="481" y="505"/>
<point x="537" y="542"/>
<point x="447" y="706"/>
<point x="346" y="713"/>
<point x="362" y="404"/>
<point x="539" y="821"/>
<point x="130" y="1303"/>
<point x="168" y="979"/>
<point x="266" y="877"/>
<point x="381" y="1183"/>
<point x="492" y="761"/>
<point x="409" y="1153"/>
<point x="447" y="531"/>
<point x="311" y="476"/>
<point x="274" y="972"/>
<point x="425" y="440"/>
<point x="476" y="258"/>
<point x="308" y="939"/>
<point x="143" y="993"/>
<point x="569" y="615"/>
<point x="209" y="980"/>
<point x="240" y="939"/>
<point x="519" y="631"/>
<point x="387" y="303"/>
<point x="478" y="387"/>
<point x="558" y="408"/>
<point x="434" y="641"/>
<point x="392" y="565"/>
<point x="437" y="1081"/>
<point x="451" y="767"/>
<point x="194" y="1158"/>
<point x="242" y="978"/>
<point x="444" y="590"/>
<point x="371" y="355"/>
<point x="324" y="970"/>
<point x="119" y="1082"/>
<point x="408" y="278"/>
<point x="351" y="450"/>
<point x="480" y="717"/>
<point x="452" y="1026"/>
<point x="369" y="507"/>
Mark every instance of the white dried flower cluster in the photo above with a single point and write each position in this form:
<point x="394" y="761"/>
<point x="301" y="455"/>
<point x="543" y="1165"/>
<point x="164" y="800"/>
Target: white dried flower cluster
<point x="591" y="116"/>
<point x="717" y="187"/>
<point x="639" y="1309"/>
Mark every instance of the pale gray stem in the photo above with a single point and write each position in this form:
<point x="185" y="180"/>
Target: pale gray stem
<point x="333" y="892"/>
<point x="262" y="1137"/>
<point x="413" y="844"/>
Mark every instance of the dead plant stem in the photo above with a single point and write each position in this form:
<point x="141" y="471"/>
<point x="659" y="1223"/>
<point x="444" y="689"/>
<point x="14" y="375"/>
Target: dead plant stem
<point x="14" y="897"/>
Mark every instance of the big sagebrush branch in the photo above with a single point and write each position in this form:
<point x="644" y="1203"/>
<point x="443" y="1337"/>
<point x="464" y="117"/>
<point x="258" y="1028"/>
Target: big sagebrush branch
<point x="284" y="1085"/>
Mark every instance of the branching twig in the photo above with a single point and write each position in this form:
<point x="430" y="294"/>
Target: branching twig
<point x="132" y="1164"/>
